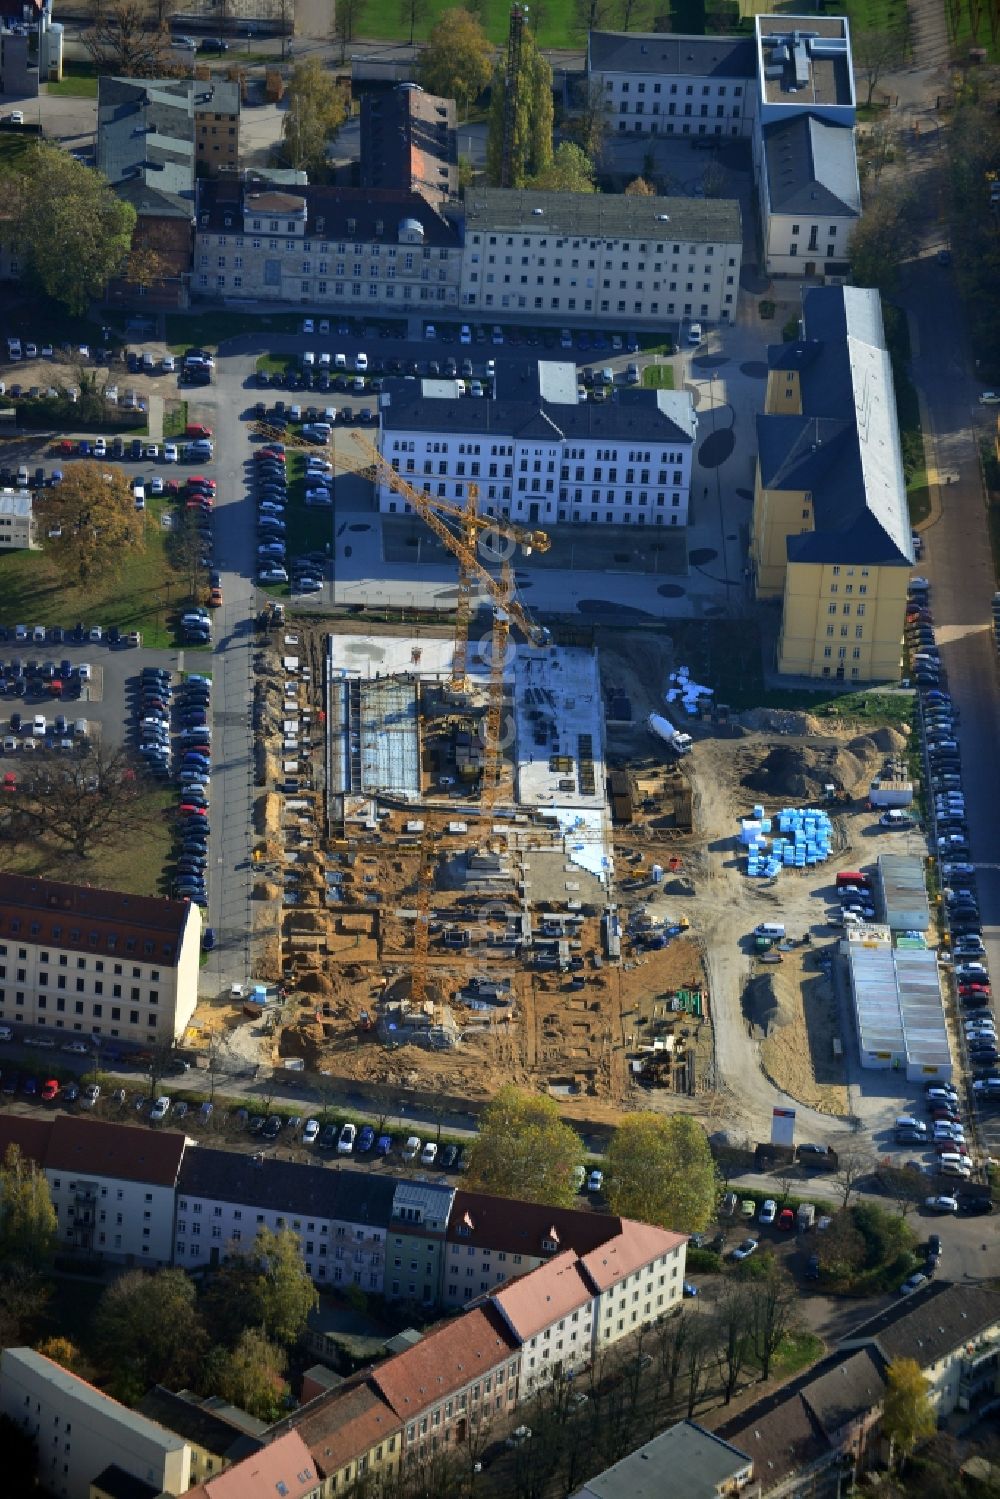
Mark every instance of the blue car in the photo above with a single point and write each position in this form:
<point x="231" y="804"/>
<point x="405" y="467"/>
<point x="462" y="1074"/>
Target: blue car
<point x="366" y="1139"/>
<point x="208" y="941"/>
<point x="690" y="1289"/>
<point x="384" y="1145"/>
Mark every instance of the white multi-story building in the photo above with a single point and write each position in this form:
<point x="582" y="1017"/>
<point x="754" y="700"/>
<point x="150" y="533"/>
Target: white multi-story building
<point x="97" y="962"/>
<point x="657" y="84"/>
<point x="17" y="523"/>
<point x="637" y="1277"/>
<point x="340" y="1217"/>
<point x="79" y="1433"/>
<point x="623" y="462"/>
<point x="601" y="256"/>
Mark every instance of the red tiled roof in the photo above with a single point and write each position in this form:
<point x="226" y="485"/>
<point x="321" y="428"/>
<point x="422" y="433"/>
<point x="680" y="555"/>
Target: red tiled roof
<point x="543" y="1296"/>
<point x="447" y="1359"/>
<point x="637" y="1245"/>
<point x="499" y="1223"/>
<point x="129" y="1152"/>
<point x="344" y="1424"/>
<point x="31" y="1136"/>
<point x="119" y="924"/>
<point x="287" y="1462"/>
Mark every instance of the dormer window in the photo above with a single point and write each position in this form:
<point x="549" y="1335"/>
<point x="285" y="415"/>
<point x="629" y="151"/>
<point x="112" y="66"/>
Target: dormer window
<point x="351" y="225"/>
<point x="550" y="1245"/>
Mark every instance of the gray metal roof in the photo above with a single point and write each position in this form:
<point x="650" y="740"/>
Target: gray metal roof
<point x="876" y="1005"/>
<point x="219" y="97"/>
<point x="145" y="132"/>
<point x="902" y="889"/>
<point x="922" y="1011"/>
<point x="602" y="216"/>
<point x="898" y="1004"/>
<point x="680" y="56"/>
<point x="811" y="167"/>
<point x="638" y="415"/>
<point x="685" y="1459"/>
<point x="71" y="1388"/>
<point x="285" y="1186"/>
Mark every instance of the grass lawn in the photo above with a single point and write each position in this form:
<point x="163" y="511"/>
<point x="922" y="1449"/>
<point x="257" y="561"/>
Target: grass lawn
<point x="796" y="1351"/>
<point x="134" y="865"/>
<point x="209" y="328"/>
<point x="175" y="417"/>
<point x="79" y="80"/>
<point x="382" y="21"/>
<point x="658" y="377"/>
<point x="278" y="364"/>
<point x="876" y="15"/>
<point x="137" y="597"/>
<point x="309" y="530"/>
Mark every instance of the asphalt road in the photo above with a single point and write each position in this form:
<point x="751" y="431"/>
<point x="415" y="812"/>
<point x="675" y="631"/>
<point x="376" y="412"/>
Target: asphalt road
<point x="959" y="564"/>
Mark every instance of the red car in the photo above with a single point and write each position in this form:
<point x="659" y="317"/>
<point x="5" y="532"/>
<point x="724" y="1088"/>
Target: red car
<point x="10" y="781"/>
<point x="950" y="1147"/>
<point x="50" y="1090"/>
<point x="188" y="809"/>
<point x="196" y="429"/>
<point x="786" y="1220"/>
<point x="198" y="481"/>
<point x="271" y="454"/>
<point x="215" y="599"/>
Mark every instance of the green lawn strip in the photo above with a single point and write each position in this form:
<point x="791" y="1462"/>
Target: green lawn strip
<point x="135" y="598"/>
<point x="658" y="377"/>
<point x="277" y="364"/>
<point x="70" y="87"/>
<point x="309" y="528"/>
<point x="208" y="329"/>
<point x="382" y="22"/>
<point x="796" y="1351"/>
<point x="175" y="418"/>
<point x="877" y="15"/>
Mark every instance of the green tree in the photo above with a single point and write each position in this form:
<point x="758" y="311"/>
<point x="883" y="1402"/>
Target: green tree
<point x="458" y="59"/>
<point x="71" y="232"/>
<point x="882" y="239"/>
<point x="251" y="1375"/>
<point x="89" y="521"/>
<point x="908" y="1417"/>
<point x="28" y="1223"/>
<point x="524" y="1150"/>
<point x="266" y="1286"/>
<point x="660" y="1170"/>
<point x="569" y="171"/>
<point x="146" y="1330"/>
<point x="317" y="107"/>
<point x="531" y="149"/>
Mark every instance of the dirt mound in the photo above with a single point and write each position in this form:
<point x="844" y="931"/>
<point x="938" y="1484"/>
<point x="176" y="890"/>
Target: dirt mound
<point x="802" y="773"/>
<point x="760" y="1006"/>
<point x="781" y="721"/>
<point x="888" y="741"/>
<point x="314" y="983"/>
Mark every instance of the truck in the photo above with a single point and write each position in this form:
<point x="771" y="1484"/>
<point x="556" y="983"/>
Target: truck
<point x="890" y="792"/>
<point x="681" y="744"/>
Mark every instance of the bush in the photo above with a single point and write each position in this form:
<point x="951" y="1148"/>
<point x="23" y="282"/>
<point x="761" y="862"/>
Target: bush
<point x="704" y="1260"/>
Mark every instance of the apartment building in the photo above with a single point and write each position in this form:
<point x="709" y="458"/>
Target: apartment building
<point x="224" y="1198"/>
<point x="804" y="145"/>
<point x="601" y="255"/>
<point x="376" y="250"/>
<point x="830" y="534"/>
<point x="461" y="1374"/>
<point x="79" y="1432"/>
<point x="216" y="124"/>
<point x="353" y="1435"/>
<point x="637" y="1277"/>
<point x="17" y="521"/>
<point x="283" y="1469"/>
<point x="657" y="84"/>
<point x="409" y="143"/>
<point x="94" y="962"/>
<point x="492" y="1241"/>
<point x="550" y="1314"/>
<point x="623" y="462"/>
<point x="415" y="1244"/>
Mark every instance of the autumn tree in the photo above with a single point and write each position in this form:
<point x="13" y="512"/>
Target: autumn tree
<point x="251" y="1375"/>
<point x="524" y="1150"/>
<point x="89" y="520"/>
<point x="841" y="1250"/>
<point x="28" y="1223"/>
<point x="589" y="123"/>
<point x="146" y="1330"/>
<point x="853" y="1166"/>
<point x="875" y="53"/>
<point x="639" y="188"/>
<point x="265" y="1286"/>
<point x="569" y="171"/>
<point x="660" y="1170"/>
<point x="85" y="803"/>
<point x="71" y="231"/>
<point x="458" y="59"/>
<point x="24" y="1294"/>
<point x="317" y="107"/>
<point x="145" y="266"/>
<point x="531" y="145"/>
<point x="126" y="37"/>
<point x="908" y="1417"/>
<point x="346" y="16"/>
<point x="65" y="1353"/>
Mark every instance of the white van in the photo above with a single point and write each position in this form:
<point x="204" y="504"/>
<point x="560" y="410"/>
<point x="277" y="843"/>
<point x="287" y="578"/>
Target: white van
<point x="772" y="929"/>
<point x="139" y="494"/>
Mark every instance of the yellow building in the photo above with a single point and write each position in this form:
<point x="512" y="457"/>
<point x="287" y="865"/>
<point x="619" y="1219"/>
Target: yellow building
<point x="830" y="534"/>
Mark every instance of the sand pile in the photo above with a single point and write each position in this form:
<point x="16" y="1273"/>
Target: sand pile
<point x="802" y="773"/>
<point x="884" y="741"/>
<point x="781" y="721"/>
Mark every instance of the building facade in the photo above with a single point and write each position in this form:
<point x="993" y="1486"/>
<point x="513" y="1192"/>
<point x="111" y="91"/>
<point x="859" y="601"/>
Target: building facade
<point x="216" y="125"/>
<point x="586" y="255"/>
<point x="17" y="521"/>
<point x="79" y="1432"/>
<point x="624" y="462"/>
<point x="347" y="247"/>
<point x="656" y="84"/>
<point x="97" y="962"/>
<point x="830" y="534"/>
